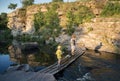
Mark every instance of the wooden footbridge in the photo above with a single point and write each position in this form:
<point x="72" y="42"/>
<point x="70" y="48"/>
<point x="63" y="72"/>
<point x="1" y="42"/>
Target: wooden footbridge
<point x="53" y="69"/>
<point x="46" y="74"/>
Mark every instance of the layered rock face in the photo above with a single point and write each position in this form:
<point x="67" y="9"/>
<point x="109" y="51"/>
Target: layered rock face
<point x="21" y="20"/>
<point x="103" y="34"/>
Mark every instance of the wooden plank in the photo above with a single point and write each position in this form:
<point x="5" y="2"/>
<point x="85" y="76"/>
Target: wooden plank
<point x="63" y="65"/>
<point x="53" y="69"/>
<point x="47" y="68"/>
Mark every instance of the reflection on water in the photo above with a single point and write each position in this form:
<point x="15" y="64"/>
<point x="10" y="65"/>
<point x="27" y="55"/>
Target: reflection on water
<point x="32" y="57"/>
<point x="18" y="56"/>
<point x="4" y="62"/>
<point x="92" y="66"/>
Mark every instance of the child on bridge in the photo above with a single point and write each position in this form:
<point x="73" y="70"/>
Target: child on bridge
<point x="59" y="54"/>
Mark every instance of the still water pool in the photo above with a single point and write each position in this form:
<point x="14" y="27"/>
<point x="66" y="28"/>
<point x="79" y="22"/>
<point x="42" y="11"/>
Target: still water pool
<point x="91" y="66"/>
<point x="5" y="62"/>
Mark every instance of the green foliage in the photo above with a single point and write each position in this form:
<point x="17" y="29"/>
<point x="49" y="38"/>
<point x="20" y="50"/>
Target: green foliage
<point x="5" y="34"/>
<point x="111" y="9"/>
<point x="47" y="24"/>
<point x="57" y="0"/>
<point x="3" y="21"/>
<point x="26" y="3"/>
<point x="51" y="18"/>
<point x="12" y="6"/>
<point x="47" y="28"/>
<point x="70" y="22"/>
<point x="3" y="15"/>
<point x="70" y="29"/>
<point x="26" y="38"/>
<point x="52" y="23"/>
<point x="70" y="17"/>
<point x="83" y="15"/>
<point x="55" y="6"/>
<point x="76" y="16"/>
<point x="39" y="20"/>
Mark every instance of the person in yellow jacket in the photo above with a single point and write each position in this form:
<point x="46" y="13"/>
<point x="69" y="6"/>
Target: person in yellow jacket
<point x="59" y="54"/>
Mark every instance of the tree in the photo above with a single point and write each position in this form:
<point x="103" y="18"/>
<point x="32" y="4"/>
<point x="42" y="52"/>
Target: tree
<point x="57" y="0"/>
<point x="39" y="21"/>
<point x="47" y="24"/>
<point x="12" y="6"/>
<point x="3" y="21"/>
<point x="52" y="23"/>
<point x="47" y="28"/>
<point x="70" y="22"/>
<point x="26" y="3"/>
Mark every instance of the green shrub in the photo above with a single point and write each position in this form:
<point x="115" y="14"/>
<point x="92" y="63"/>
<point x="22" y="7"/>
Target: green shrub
<point x="6" y="34"/>
<point x="84" y="14"/>
<point x="111" y="9"/>
<point x="89" y="29"/>
<point x="3" y="21"/>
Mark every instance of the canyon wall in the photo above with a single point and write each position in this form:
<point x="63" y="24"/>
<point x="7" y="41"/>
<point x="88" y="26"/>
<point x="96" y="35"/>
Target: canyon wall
<point x="101" y="34"/>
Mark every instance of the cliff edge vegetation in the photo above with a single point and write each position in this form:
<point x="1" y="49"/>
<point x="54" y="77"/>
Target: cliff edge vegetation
<point x="95" y="22"/>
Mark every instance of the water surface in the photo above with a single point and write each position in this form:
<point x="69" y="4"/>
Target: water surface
<point x="100" y="66"/>
<point x="91" y="66"/>
<point x="5" y="62"/>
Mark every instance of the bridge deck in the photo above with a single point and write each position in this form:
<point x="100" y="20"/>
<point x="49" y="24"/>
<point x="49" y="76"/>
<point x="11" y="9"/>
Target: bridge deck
<point x="46" y="74"/>
<point x="53" y="69"/>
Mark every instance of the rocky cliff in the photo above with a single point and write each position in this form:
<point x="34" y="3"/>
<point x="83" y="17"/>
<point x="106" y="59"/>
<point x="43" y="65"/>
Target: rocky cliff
<point x="21" y="20"/>
<point x="101" y="34"/>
